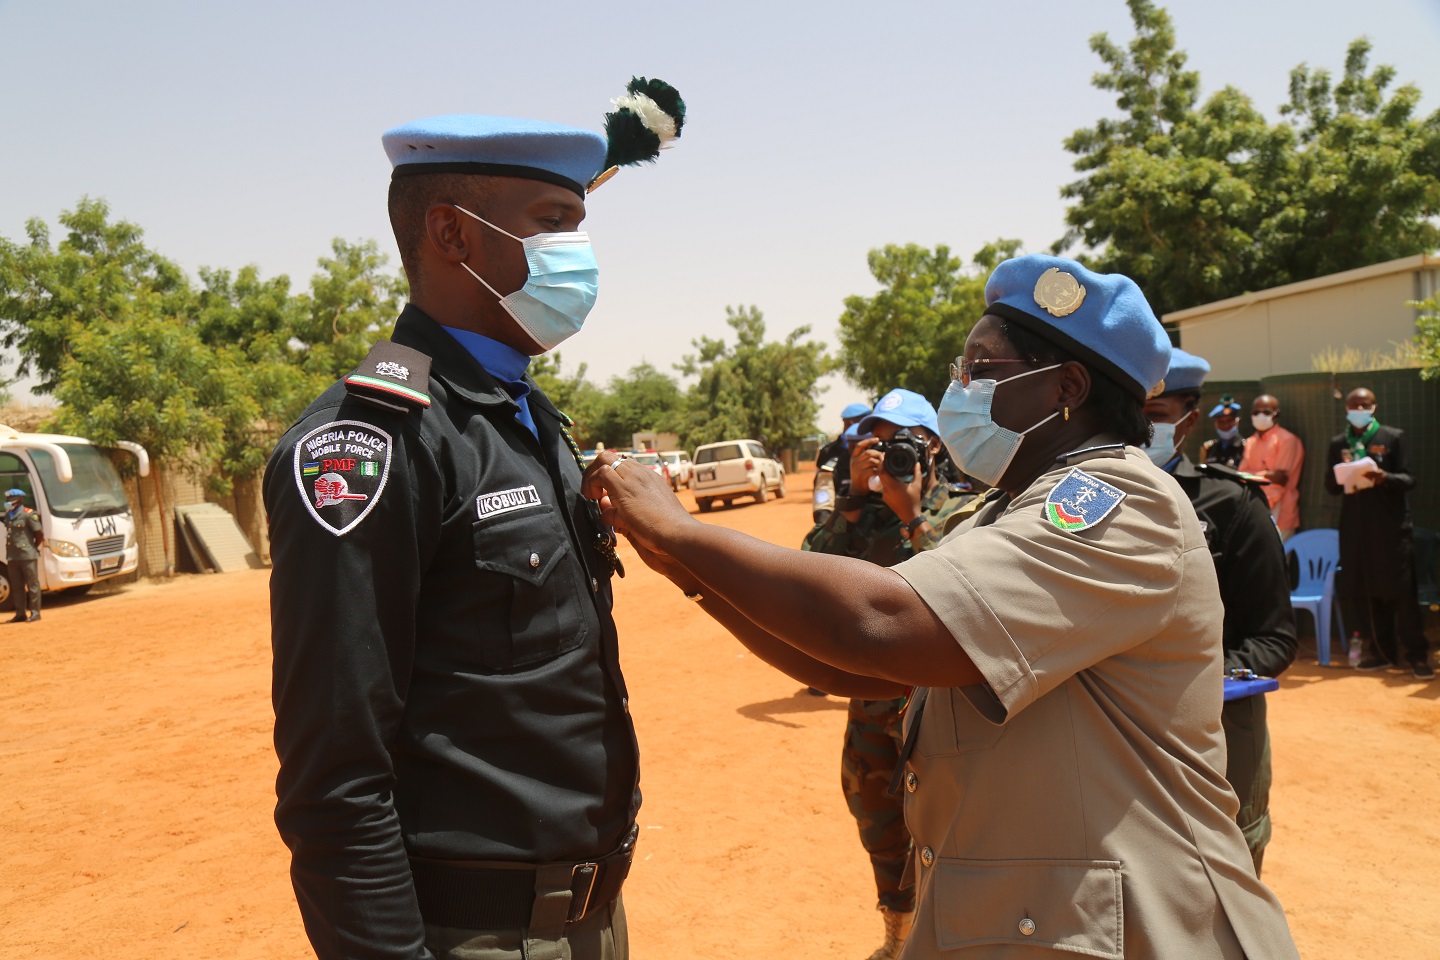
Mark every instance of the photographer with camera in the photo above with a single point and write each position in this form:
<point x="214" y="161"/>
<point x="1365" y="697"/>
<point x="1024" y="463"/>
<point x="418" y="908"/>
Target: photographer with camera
<point x="914" y="496"/>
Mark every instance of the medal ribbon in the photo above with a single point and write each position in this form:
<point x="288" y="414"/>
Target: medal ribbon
<point x="1359" y="443"/>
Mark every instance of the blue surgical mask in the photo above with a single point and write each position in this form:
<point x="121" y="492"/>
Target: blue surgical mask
<point x="559" y="290"/>
<point x="1228" y="435"/>
<point x="980" y="446"/>
<point x="1161" y="448"/>
<point x="1360" y="419"/>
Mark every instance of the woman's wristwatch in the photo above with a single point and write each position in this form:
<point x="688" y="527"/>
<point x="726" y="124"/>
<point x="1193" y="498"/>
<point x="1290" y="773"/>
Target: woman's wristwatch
<point x="909" y="528"/>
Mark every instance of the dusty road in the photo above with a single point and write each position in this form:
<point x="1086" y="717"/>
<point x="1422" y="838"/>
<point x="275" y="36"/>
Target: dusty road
<point x="136" y="787"/>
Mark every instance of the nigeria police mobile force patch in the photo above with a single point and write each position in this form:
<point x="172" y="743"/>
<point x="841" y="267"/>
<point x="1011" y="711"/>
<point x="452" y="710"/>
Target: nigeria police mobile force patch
<point x="1079" y="501"/>
<point x="340" y="471"/>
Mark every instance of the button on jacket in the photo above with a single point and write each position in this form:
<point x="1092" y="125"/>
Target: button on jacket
<point x="446" y="676"/>
<point x="1076" y="801"/>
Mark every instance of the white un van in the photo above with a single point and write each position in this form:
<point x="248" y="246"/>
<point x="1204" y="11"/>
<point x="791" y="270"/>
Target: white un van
<point x="72" y="486"/>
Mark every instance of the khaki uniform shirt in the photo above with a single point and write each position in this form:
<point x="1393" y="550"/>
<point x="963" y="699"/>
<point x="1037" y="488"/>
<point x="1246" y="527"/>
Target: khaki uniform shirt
<point x="1076" y="802"/>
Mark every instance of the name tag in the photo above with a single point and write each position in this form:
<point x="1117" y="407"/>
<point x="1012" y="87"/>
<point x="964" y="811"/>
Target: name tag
<point x="506" y="501"/>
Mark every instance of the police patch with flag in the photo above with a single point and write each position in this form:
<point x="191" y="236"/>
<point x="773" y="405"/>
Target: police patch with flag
<point x="340" y="471"/>
<point x="1079" y="501"/>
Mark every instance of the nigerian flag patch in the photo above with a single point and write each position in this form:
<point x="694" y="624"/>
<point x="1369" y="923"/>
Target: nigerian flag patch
<point x="1080" y="500"/>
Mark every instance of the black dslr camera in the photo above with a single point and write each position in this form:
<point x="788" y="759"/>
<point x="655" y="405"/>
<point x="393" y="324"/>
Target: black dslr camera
<point x="902" y="452"/>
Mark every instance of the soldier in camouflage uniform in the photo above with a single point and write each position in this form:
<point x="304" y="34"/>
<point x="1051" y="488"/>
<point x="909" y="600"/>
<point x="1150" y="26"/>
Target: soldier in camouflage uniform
<point x="897" y="519"/>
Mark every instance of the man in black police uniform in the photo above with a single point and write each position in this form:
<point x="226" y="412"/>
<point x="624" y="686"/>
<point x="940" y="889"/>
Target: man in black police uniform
<point x="1259" y="632"/>
<point x="832" y="466"/>
<point x="458" y="768"/>
<point x="1228" y="447"/>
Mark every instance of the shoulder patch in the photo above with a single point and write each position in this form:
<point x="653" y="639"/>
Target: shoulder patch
<point x="1080" y="500"/>
<point x="393" y="376"/>
<point x="340" y="471"/>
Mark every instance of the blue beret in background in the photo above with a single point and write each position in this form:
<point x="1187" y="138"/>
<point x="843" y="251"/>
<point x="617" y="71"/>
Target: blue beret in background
<point x="855" y="411"/>
<point x="1187" y="371"/>
<point x="1101" y="318"/>
<point x="1227" y="404"/>
<point x="496" y="146"/>
<point x="904" y="408"/>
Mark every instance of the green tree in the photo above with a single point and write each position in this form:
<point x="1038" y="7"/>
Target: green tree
<point x="146" y="378"/>
<point x="97" y="275"/>
<point x="1427" y="339"/>
<point x="907" y="334"/>
<point x="1198" y="202"/>
<point x="576" y="397"/>
<point x="644" y="399"/>
<point x="352" y="303"/>
<point x="766" y="391"/>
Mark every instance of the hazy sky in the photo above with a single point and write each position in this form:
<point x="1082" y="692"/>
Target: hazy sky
<point x="250" y="133"/>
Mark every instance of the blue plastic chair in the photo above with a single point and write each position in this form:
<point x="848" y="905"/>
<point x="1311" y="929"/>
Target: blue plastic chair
<point x="1317" y="555"/>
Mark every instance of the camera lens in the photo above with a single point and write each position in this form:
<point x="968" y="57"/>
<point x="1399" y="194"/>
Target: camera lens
<point x="900" y="459"/>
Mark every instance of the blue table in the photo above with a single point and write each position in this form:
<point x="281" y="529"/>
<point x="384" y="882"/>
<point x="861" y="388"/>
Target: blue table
<point x="1235" y="689"/>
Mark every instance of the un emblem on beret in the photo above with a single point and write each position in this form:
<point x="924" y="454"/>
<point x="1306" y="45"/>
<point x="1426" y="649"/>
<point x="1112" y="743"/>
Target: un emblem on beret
<point x="1059" y="293"/>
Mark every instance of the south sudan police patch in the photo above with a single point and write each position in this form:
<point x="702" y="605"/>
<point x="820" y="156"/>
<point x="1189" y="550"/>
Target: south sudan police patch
<point x="340" y="470"/>
<point x="1080" y="501"/>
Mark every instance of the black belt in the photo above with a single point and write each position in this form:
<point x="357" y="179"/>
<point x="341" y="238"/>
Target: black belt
<point x="499" y="895"/>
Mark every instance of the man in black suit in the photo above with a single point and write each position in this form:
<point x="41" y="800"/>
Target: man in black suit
<point x="1377" y="566"/>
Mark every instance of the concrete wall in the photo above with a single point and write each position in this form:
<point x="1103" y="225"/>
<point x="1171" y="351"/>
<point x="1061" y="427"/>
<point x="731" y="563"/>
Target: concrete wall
<point x="1280" y="334"/>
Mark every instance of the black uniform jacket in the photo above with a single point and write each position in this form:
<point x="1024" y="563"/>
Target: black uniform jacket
<point x="446" y="678"/>
<point x="1376" y="550"/>
<point x="1250" y="563"/>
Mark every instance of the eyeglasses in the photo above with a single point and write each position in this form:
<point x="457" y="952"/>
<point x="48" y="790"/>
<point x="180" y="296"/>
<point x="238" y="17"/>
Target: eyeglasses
<point x="964" y="371"/>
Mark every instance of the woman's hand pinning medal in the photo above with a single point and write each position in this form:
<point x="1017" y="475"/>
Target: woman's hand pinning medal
<point x="633" y="500"/>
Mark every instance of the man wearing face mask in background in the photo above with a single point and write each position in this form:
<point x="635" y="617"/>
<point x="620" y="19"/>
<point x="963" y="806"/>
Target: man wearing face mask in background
<point x="1277" y="455"/>
<point x="1259" y="631"/>
<point x="1229" y="447"/>
<point x="1377" y="550"/>
<point x="458" y="769"/>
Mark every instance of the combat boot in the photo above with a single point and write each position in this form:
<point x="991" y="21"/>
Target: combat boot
<point x="897" y="929"/>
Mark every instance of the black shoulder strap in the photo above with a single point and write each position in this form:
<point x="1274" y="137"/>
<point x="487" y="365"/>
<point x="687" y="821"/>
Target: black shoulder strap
<point x="391" y="377"/>
<point x="1089" y="453"/>
<point x="1221" y="470"/>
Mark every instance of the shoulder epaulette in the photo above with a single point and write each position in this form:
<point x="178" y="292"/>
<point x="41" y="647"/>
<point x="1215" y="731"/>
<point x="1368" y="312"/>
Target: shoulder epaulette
<point x="391" y="377"/>
<point x="1087" y="452"/>
<point x="1229" y="473"/>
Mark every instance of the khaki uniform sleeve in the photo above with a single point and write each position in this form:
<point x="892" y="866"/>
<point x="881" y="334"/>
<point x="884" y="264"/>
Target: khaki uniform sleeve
<point x="1032" y="605"/>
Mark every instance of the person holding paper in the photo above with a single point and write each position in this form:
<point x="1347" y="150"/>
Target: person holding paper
<point x="1377" y="569"/>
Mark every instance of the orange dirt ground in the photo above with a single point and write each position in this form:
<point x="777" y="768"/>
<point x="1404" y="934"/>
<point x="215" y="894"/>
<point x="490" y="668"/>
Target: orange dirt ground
<point x="136" y="787"/>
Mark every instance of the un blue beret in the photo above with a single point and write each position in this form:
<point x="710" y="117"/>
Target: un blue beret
<point x="1101" y="318"/>
<point x="14" y="492"/>
<point x="855" y="411"/>
<point x="1227" y="404"/>
<point x="903" y="408"/>
<point x="1186" y="372"/>
<point x="496" y="146"/>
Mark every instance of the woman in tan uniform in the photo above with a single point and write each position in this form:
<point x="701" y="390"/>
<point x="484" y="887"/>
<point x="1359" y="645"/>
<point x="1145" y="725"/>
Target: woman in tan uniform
<point x="1064" y="774"/>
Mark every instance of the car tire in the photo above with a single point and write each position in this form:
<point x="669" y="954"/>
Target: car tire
<point x="780" y="490"/>
<point x="763" y="493"/>
<point x="705" y="504"/>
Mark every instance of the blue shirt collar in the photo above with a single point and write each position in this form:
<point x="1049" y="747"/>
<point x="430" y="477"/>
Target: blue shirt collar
<point x="501" y="361"/>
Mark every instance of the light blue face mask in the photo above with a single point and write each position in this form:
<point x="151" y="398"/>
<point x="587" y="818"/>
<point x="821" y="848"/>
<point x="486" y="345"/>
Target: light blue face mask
<point x="980" y="446"/>
<point x="560" y="289"/>
<point x="1228" y="435"/>
<point x="1360" y="419"/>
<point x="1161" y="448"/>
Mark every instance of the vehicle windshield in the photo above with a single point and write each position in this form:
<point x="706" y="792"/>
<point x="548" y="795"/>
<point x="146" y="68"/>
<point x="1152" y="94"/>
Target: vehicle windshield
<point x="725" y="451"/>
<point x="95" y="490"/>
<point x="671" y="457"/>
<point x="648" y="458"/>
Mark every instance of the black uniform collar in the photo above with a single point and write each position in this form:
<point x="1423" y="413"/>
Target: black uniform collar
<point x="1184" y="468"/>
<point x="449" y="361"/>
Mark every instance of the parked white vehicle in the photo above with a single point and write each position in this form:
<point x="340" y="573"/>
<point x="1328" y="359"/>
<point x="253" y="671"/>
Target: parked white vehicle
<point x="73" y="488"/>
<point x="682" y="469"/>
<point x="736" y="468"/>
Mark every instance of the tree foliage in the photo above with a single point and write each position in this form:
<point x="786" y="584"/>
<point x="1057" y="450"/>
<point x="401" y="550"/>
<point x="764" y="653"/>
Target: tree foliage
<point x="1427" y="339"/>
<point x="907" y="334"/>
<point x="1202" y="201"/>
<point x="765" y="391"/>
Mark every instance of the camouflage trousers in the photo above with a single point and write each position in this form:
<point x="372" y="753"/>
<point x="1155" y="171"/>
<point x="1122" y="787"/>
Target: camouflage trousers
<point x="873" y="737"/>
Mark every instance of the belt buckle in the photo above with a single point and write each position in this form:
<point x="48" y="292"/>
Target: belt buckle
<point x="589" y="889"/>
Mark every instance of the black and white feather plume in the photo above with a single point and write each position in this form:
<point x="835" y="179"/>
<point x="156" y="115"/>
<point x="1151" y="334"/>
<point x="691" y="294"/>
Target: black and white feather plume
<point x="647" y="118"/>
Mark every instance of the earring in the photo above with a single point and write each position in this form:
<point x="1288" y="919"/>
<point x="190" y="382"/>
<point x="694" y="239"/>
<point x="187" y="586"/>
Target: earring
<point x="1067" y="413"/>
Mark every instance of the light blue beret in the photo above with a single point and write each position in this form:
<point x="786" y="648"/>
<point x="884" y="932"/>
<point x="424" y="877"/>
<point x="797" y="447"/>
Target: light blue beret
<point x="1101" y="318"/>
<point x="1187" y="371"/>
<point x="496" y="146"/>
<point x="855" y="411"/>
<point x="904" y="408"/>
<point x="1227" y="404"/>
